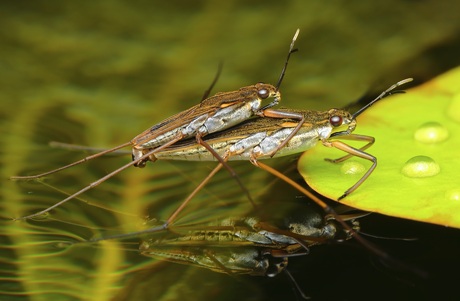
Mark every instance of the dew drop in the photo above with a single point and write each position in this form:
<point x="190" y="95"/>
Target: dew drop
<point x="453" y="195"/>
<point x="352" y="168"/>
<point x="431" y="132"/>
<point x="454" y="108"/>
<point x="420" y="167"/>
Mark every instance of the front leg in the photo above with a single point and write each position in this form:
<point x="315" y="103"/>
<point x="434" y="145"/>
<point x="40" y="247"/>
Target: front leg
<point x="369" y="139"/>
<point x="353" y="152"/>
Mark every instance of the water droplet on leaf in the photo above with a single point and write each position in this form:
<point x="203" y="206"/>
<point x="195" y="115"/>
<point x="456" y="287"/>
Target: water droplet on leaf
<point x="431" y="132"/>
<point x="420" y="167"/>
<point x="453" y="195"/>
<point x="352" y="168"/>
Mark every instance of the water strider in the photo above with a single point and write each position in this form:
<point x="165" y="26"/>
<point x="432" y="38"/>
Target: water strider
<point x="213" y="114"/>
<point x="256" y="139"/>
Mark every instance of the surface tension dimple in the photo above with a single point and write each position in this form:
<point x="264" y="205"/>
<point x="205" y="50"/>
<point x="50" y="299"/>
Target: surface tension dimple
<point x="420" y="167"/>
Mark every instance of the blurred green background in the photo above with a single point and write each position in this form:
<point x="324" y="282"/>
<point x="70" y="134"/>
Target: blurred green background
<point x="99" y="73"/>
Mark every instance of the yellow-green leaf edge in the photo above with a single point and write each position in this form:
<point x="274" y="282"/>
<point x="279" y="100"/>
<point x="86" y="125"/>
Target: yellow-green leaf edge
<point x="393" y="122"/>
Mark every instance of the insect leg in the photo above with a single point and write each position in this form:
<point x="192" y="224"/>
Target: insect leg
<point x="296" y="285"/>
<point x="143" y="158"/>
<point x="191" y="195"/>
<point x="84" y="148"/>
<point x="171" y="219"/>
<point x="223" y="162"/>
<point x="369" y="139"/>
<point x="71" y="164"/>
<point x="327" y="209"/>
<point x="353" y="152"/>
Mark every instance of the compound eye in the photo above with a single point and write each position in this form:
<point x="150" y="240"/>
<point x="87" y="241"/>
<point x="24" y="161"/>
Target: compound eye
<point x="263" y="93"/>
<point x="336" y="120"/>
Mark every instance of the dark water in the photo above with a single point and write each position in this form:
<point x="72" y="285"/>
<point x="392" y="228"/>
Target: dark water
<point x="99" y="73"/>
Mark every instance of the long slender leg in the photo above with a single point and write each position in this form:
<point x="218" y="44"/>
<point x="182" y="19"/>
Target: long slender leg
<point x="99" y="181"/>
<point x="190" y="196"/>
<point x="353" y="152"/>
<point x="295" y="284"/>
<point x="355" y="137"/>
<point x="327" y="209"/>
<point x="84" y="148"/>
<point x="71" y="164"/>
<point x="219" y="158"/>
<point x="227" y="167"/>
<point x="173" y="216"/>
<point x="171" y="219"/>
<point x="88" y="202"/>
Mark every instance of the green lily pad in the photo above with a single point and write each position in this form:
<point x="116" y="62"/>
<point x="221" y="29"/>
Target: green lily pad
<point x="418" y="153"/>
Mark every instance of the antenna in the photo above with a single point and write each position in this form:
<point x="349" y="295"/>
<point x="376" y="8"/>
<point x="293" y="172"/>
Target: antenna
<point x="291" y="50"/>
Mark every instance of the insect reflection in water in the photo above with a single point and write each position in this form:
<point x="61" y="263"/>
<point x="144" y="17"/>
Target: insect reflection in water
<point x="248" y="245"/>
